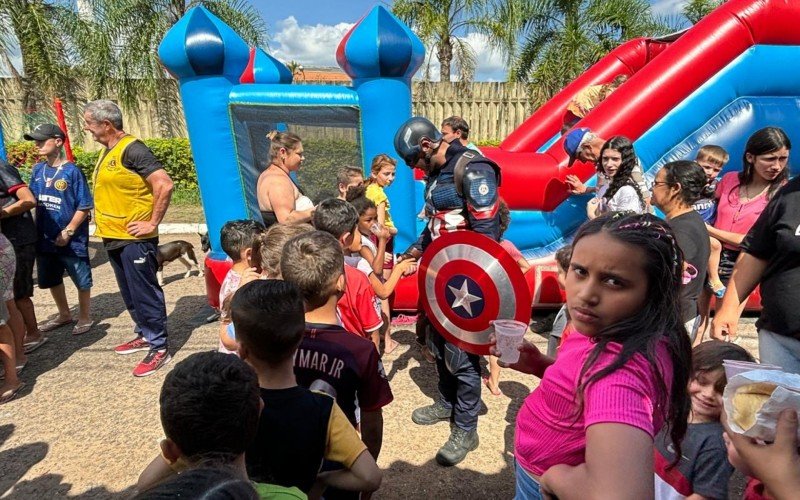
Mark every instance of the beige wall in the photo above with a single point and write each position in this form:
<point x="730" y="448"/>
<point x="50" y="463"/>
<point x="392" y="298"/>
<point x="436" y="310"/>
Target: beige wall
<point x="492" y="109"/>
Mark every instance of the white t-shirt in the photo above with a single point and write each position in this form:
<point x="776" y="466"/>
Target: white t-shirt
<point x="624" y="200"/>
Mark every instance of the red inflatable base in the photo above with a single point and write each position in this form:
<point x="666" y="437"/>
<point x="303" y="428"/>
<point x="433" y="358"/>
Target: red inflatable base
<point x="542" y="282"/>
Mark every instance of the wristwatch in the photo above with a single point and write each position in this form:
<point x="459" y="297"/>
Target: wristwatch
<point x="69" y="232"/>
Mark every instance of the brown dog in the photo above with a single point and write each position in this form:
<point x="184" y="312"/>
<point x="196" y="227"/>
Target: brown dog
<point x="177" y="250"/>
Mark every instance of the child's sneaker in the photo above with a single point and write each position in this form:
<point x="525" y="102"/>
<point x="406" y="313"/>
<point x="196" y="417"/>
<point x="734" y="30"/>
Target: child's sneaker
<point x="135" y="345"/>
<point x="152" y="362"/>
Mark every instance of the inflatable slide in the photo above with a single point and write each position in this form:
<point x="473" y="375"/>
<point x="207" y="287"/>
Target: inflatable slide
<point x="717" y="82"/>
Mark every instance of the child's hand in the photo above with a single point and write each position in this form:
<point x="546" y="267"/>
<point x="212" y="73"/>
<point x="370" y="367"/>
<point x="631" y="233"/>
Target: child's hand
<point x="388" y="258"/>
<point x="531" y="359"/>
<point x="392" y="231"/>
<point x="382" y="232"/>
<point x="407" y="266"/>
<point x="249" y="274"/>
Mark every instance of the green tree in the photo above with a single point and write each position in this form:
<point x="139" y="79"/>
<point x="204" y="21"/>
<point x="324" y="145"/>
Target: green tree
<point x="117" y="41"/>
<point x="442" y="24"/>
<point x="560" y="39"/>
<point x="32" y="29"/>
<point x="695" y="10"/>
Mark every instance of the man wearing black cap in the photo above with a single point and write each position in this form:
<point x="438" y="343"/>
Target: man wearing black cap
<point x="63" y="203"/>
<point x="458" y="196"/>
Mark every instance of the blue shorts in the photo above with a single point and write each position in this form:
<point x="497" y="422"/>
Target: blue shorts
<point x="51" y="269"/>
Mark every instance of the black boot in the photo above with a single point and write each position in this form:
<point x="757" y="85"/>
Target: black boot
<point x="456" y="448"/>
<point x="431" y="414"/>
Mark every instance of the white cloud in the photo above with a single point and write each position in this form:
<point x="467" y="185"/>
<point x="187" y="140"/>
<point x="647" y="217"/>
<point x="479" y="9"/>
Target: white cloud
<point x="316" y="46"/>
<point x="668" y="7"/>
<point x="308" y="45"/>
<point x="491" y="65"/>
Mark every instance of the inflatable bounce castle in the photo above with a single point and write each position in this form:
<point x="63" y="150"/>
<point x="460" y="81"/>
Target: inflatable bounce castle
<point x="715" y="83"/>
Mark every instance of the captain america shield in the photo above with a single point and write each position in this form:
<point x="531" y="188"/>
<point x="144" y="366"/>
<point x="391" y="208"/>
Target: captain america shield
<point x="466" y="280"/>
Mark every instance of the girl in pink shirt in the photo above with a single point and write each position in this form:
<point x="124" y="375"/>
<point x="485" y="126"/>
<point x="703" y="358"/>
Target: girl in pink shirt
<point x="742" y="196"/>
<point x="588" y="428"/>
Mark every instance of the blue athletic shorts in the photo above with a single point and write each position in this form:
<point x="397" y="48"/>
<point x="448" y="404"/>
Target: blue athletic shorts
<point x="51" y="269"/>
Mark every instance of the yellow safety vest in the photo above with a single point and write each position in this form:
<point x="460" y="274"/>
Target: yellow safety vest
<point x="120" y="195"/>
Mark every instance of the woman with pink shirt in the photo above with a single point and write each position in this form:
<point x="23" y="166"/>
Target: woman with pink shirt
<point x="742" y="196"/>
<point x="589" y="426"/>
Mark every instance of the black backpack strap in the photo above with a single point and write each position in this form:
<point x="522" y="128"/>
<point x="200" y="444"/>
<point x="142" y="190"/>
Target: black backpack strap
<point x="461" y="168"/>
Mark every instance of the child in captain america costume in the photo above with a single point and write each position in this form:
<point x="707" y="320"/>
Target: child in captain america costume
<point x="460" y="194"/>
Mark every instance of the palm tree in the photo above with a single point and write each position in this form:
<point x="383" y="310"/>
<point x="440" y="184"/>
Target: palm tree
<point x="32" y="28"/>
<point x="118" y="41"/>
<point x="438" y="22"/>
<point x="695" y="10"/>
<point x="296" y="69"/>
<point x="562" y="38"/>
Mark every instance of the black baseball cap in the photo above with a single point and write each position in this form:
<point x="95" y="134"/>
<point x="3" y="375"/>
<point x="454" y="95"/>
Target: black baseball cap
<point x="45" y="131"/>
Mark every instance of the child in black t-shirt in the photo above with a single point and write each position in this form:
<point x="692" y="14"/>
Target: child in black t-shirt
<point x="209" y="411"/>
<point x="703" y="468"/>
<point x="298" y="428"/>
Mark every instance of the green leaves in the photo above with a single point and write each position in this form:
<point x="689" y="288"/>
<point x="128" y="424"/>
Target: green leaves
<point x="108" y="47"/>
<point x="562" y="38"/>
<point x="443" y="24"/>
<point x="695" y="10"/>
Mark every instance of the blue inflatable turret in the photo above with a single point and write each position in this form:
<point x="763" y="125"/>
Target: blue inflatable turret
<point x="208" y="58"/>
<point x="381" y="54"/>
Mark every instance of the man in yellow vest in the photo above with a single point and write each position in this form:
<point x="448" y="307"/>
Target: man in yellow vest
<point x="131" y="192"/>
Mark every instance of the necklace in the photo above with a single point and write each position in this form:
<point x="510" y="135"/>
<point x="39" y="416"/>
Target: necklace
<point x="48" y="181"/>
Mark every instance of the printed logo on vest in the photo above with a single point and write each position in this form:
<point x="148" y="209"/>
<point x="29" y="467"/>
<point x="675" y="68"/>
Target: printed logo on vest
<point x="61" y="185"/>
<point x="111" y="165"/>
<point x="797" y="231"/>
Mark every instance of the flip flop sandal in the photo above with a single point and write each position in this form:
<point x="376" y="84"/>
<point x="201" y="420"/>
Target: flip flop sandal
<point x="19" y="370"/>
<point x="11" y="394"/>
<point x="82" y="328"/>
<point x="29" y="347"/>
<point x="52" y="324"/>
<point x="404" y="320"/>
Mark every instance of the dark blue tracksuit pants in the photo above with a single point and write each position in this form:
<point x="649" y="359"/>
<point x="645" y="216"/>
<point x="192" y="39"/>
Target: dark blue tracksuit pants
<point x="135" y="268"/>
<point x="459" y="380"/>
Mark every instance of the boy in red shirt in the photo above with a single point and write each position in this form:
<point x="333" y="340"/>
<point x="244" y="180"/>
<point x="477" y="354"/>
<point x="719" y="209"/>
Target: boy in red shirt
<point x="359" y="308"/>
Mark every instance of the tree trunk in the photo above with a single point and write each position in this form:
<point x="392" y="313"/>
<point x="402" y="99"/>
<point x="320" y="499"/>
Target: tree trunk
<point x="445" y="54"/>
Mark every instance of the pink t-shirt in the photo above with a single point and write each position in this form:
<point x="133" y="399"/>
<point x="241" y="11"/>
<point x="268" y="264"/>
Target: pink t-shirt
<point x="733" y="215"/>
<point x="549" y="432"/>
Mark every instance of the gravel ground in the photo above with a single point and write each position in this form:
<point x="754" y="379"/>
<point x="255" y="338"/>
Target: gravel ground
<point x="84" y="427"/>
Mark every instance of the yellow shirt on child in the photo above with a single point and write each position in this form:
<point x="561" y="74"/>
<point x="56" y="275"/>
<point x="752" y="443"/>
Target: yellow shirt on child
<point x="377" y="195"/>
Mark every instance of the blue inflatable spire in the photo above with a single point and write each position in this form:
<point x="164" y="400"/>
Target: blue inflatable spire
<point x="380" y="46"/>
<point x="381" y="54"/>
<point x="263" y="68"/>
<point x="200" y="44"/>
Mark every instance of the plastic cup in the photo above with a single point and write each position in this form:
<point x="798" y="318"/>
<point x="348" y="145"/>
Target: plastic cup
<point x="509" y="334"/>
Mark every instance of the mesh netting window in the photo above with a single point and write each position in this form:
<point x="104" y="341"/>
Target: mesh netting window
<point x="331" y="139"/>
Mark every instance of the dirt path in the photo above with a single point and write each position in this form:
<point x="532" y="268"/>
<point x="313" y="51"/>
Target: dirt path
<point x="85" y="428"/>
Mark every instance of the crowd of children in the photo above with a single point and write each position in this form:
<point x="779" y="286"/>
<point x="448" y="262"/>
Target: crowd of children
<point x="624" y="405"/>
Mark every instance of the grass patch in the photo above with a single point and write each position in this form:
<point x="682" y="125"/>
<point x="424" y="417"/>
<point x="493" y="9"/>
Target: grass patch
<point x="185" y="207"/>
<point x="184" y="197"/>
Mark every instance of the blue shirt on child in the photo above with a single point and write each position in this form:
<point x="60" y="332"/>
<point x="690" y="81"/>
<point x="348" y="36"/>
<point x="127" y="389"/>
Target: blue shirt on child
<point x="707" y="205"/>
<point x="59" y="193"/>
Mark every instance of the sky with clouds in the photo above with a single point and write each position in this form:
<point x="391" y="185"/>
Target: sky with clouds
<point x="308" y="31"/>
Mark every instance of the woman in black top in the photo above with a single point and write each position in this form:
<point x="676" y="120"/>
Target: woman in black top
<point x="280" y="200"/>
<point x="676" y="187"/>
